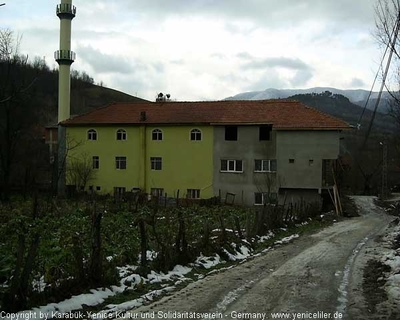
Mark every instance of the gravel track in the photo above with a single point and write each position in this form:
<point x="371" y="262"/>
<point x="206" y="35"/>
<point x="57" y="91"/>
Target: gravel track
<point x="316" y="273"/>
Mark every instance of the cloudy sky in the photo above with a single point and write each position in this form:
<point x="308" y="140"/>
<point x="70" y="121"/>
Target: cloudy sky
<point x="208" y="49"/>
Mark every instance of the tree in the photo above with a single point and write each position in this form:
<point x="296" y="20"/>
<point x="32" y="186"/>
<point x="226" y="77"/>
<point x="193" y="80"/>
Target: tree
<point x="80" y="171"/>
<point x="387" y="19"/>
<point x="17" y="117"/>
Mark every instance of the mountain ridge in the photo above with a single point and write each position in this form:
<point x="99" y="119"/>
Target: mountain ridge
<point x="356" y="96"/>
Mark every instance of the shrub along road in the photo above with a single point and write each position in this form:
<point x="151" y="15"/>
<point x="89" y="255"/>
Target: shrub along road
<point x="321" y="273"/>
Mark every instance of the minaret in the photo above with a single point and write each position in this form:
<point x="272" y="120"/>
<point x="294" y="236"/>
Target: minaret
<point x="64" y="57"/>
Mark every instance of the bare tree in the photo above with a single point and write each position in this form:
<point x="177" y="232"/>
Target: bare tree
<point x="80" y="170"/>
<point x="387" y="19"/>
<point x="16" y="115"/>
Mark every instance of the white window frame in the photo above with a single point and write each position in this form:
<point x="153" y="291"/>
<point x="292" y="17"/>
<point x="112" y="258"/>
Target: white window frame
<point x="197" y="134"/>
<point x="96" y="162"/>
<point x="158" y="133"/>
<point x="266" y="165"/>
<point x="157" y="192"/>
<point x="119" y="190"/>
<point x="264" y="198"/>
<point x="230" y="163"/>
<point x="119" y="160"/>
<point x="154" y="161"/>
<point x="92" y="134"/>
<point x="121" y="133"/>
<point x="193" y="193"/>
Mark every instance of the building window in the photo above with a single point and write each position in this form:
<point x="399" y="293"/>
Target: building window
<point x="98" y="188"/>
<point x="120" y="163"/>
<point x="195" y="135"/>
<point x="157" y="192"/>
<point x="310" y="162"/>
<point x="264" y="165"/>
<point x="193" y="193"/>
<point x="119" y="191"/>
<point x="90" y="188"/>
<point x="121" y="134"/>
<point x="156" y="163"/>
<point x="231" y="166"/>
<point x="261" y="198"/>
<point x="291" y="160"/>
<point x="92" y="134"/>
<point x="231" y="133"/>
<point x="265" y="133"/>
<point x="157" y="135"/>
<point x="96" y="162"/>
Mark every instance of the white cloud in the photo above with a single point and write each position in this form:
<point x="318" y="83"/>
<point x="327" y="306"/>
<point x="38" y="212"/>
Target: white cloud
<point x="205" y="49"/>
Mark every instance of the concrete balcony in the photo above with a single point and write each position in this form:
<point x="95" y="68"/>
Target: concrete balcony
<point x="64" y="56"/>
<point x="65" y="10"/>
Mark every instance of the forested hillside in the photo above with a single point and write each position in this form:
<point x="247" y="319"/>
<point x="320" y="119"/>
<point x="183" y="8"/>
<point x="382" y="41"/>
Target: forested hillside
<point x="28" y="103"/>
<point x="340" y="106"/>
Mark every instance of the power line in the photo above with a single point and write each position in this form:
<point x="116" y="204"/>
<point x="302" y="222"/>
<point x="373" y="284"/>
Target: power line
<point x="391" y="43"/>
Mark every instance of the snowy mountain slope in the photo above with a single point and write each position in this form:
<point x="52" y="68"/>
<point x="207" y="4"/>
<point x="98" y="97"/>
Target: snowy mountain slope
<point x="358" y="96"/>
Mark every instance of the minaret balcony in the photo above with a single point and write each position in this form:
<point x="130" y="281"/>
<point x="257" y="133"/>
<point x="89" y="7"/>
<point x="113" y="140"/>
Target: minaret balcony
<point x="66" y="10"/>
<point x="64" y="56"/>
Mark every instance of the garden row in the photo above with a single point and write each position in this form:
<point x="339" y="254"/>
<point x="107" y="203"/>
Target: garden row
<point x="50" y="250"/>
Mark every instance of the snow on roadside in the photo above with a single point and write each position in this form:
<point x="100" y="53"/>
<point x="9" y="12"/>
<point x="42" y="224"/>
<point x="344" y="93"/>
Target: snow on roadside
<point x="392" y="259"/>
<point x="287" y="239"/>
<point x="130" y="279"/>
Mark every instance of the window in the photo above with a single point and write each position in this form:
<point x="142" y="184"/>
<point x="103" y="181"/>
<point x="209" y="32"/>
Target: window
<point x="291" y="160"/>
<point x="157" y="192"/>
<point x="157" y="135"/>
<point x="231" y="165"/>
<point x="121" y="134"/>
<point x="264" y="165"/>
<point x="156" y="163"/>
<point x="265" y="133"/>
<point x="98" y="188"/>
<point x="120" y="163"/>
<point x="231" y="133"/>
<point x="261" y="198"/>
<point x="92" y="134"/>
<point x="193" y="193"/>
<point x="96" y="162"/>
<point x="195" y="135"/>
<point x="119" y="191"/>
<point x="310" y="162"/>
<point x="90" y="188"/>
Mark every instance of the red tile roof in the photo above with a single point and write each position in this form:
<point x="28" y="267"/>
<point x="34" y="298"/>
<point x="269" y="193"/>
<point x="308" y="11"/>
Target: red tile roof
<point x="282" y="114"/>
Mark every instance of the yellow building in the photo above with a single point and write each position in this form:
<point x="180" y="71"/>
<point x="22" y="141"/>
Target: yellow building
<point x="259" y="151"/>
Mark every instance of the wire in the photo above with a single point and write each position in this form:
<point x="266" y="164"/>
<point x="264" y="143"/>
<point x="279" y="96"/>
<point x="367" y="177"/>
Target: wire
<point x="376" y="77"/>
<point x="392" y="44"/>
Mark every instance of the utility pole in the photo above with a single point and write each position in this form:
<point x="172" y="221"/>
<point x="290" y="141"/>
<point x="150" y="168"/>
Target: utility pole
<point x="384" y="170"/>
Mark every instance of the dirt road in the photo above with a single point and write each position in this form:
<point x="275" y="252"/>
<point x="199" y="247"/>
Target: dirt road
<point x="315" y="277"/>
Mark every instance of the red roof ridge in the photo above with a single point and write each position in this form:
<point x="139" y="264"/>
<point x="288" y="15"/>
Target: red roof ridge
<point x="282" y="113"/>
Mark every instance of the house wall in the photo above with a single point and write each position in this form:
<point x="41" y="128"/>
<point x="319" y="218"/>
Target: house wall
<point x="248" y="147"/>
<point x="303" y="146"/>
<point x="186" y="164"/>
<point x="107" y="147"/>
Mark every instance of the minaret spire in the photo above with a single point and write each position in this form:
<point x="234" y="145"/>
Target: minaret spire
<point x="64" y="57"/>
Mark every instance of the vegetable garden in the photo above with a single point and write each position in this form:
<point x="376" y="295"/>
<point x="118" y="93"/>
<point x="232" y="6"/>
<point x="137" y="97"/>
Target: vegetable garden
<point x="52" y="249"/>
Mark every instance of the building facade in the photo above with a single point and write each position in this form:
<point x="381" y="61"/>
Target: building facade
<point x="247" y="152"/>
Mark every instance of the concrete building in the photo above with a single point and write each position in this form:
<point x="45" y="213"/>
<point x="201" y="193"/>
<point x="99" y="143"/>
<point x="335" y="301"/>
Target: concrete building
<point x="251" y="151"/>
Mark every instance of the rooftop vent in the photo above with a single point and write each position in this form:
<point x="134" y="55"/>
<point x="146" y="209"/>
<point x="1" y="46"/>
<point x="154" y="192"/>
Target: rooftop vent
<point x="162" y="98"/>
